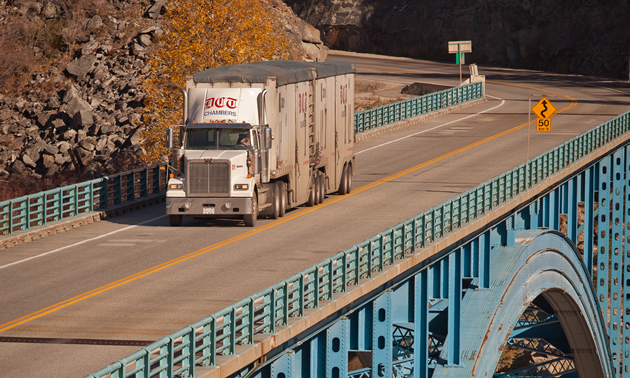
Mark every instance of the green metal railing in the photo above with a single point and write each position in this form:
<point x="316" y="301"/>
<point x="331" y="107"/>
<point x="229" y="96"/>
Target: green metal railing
<point x="39" y="209"/>
<point x="399" y="111"/>
<point x="219" y="334"/>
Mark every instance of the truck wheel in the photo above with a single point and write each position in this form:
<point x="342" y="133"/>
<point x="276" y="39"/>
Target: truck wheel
<point x="317" y="188"/>
<point x="275" y="203"/>
<point x="250" y="219"/>
<point x="312" y="197"/>
<point x="322" y="187"/>
<point x="282" y="191"/>
<point x="343" y="183"/>
<point x="349" y="179"/>
<point x="175" y="220"/>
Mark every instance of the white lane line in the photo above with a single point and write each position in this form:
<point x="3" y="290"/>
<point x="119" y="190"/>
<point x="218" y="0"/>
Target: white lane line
<point x="116" y="245"/>
<point x="81" y="242"/>
<point x="433" y="128"/>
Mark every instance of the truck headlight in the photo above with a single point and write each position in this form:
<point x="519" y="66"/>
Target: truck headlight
<point x="241" y="186"/>
<point x="176" y="186"/>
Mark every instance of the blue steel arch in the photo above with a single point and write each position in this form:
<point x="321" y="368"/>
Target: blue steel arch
<point x="541" y="262"/>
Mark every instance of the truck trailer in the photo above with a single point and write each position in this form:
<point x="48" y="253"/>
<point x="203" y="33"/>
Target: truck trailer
<point x="259" y="139"/>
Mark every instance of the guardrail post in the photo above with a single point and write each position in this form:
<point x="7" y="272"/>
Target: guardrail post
<point x="331" y="280"/>
<point x="27" y="214"/>
<point x="344" y="272"/>
<point x="232" y="337"/>
<point x="285" y="303"/>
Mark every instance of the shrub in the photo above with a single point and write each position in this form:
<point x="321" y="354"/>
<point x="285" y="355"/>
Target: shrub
<point x="199" y="35"/>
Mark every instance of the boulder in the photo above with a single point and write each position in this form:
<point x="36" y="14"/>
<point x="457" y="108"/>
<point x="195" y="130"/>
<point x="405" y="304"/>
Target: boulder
<point x="58" y="123"/>
<point x="76" y="105"/>
<point x="309" y="34"/>
<point x="89" y="143"/>
<point x="28" y="162"/>
<point x="136" y="138"/>
<point x="137" y="49"/>
<point x="81" y="67"/>
<point x="90" y="48"/>
<point x="50" y="10"/>
<point x="49" y="149"/>
<point x="145" y="39"/>
<point x="48" y="161"/>
<point x="18" y="167"/>
<point x="70" y="135"/>
<point x="84" y="156"/>
<point x="60" y="159"/>
<point x="95" y="22"/>
<point x="83" y="118"/>
<point x="155" y="10"/>
<point x="63" y="146"/>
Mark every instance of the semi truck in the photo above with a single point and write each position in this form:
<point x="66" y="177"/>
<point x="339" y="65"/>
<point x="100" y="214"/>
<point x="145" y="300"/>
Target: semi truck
<point x="261" y="138"/>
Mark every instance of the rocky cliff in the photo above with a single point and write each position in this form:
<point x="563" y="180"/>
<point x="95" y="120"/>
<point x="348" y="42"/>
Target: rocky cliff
<point x="77" y="114"/>
<point x="586" y="37"/>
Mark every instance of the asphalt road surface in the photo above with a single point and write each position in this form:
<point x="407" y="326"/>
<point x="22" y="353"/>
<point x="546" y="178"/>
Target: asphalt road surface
<point x="73" y="303"/>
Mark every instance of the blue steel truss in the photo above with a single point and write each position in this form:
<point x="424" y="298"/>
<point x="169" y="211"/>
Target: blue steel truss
<point x="461" y="279"/>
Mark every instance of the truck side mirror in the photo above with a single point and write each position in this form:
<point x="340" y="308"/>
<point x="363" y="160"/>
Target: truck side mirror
<point x="169" y="138"/>
<point x="267" y="137"/>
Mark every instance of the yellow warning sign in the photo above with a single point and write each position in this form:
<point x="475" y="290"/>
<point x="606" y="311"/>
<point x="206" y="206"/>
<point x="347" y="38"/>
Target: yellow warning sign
<point x="543" y="125"/>
<point x="544" y="108"/>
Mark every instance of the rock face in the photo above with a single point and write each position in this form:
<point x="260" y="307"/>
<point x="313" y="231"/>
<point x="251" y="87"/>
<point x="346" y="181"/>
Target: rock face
<point x="78" y="120"/>
<point x="83" y="118"/>
<point x="587" y="37"/>
<point x="306" y="39"/>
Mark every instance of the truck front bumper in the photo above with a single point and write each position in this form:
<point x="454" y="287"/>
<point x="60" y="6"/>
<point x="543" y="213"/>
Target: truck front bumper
<point x="208" y="206"/>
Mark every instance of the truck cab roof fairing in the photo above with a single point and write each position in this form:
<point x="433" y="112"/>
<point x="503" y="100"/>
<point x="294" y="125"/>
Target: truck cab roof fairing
<point x="285" y="72"/>
<point x="219" y="125"/>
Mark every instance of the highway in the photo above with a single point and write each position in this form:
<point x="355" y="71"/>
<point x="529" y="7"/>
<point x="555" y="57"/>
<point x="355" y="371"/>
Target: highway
<point x="73" y="303"/>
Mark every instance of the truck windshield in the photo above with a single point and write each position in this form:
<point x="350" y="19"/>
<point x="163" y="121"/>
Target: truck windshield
<point x="218" y="139"/>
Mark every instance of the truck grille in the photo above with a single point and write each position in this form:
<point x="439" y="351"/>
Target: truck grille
<point x="208" y="178"/>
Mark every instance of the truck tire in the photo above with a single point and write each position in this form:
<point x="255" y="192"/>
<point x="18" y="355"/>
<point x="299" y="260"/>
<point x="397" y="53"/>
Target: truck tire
<point x="312" y="197"/>
<point x="343" y="183"/>
<point x="175" y="220"/>
<point x="250" y="219"/>
<point x="282" y="191"/>
<point x="349" y="179"/>
<point x="322" y="187"/>
<point x="317" y="186"/>
<point x="275" y="203"/>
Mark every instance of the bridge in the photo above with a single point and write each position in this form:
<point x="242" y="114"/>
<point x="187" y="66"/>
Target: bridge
<point x="506" y="264"/>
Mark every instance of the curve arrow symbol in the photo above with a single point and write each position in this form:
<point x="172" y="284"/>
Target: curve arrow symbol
<point x="542" y="112"/>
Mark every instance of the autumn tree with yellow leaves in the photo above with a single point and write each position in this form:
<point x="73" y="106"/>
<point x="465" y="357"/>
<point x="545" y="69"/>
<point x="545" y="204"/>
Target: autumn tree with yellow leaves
<point x="200" y="35"/>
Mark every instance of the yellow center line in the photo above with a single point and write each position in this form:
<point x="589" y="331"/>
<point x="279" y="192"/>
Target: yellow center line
<point x="89" y="294"/>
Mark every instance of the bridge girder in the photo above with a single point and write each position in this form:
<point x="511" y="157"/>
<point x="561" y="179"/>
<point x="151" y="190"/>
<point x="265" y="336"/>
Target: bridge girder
<point x="541" y="263"/>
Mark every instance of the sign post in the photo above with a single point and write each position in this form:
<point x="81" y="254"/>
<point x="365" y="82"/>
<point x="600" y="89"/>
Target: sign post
<point x="459" y="48"/>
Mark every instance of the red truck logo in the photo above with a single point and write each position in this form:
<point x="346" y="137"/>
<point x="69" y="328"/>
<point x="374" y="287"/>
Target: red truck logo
<point x="221" y="102"/>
